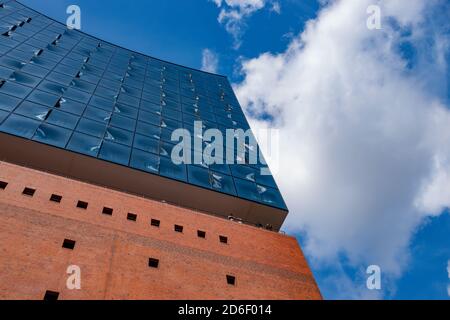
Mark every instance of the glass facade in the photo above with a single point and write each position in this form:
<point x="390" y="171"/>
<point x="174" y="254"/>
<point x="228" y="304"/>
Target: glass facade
<point x="72" y="91"/>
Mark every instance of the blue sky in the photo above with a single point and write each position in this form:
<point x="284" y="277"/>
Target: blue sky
<point x="179" y="31"/>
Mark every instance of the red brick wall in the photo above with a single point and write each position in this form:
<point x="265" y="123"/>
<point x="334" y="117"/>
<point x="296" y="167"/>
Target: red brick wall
<point x="113" y="252"/>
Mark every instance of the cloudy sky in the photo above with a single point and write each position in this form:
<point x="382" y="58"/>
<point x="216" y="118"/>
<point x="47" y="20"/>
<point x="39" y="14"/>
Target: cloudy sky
<point x="363" y="116"/>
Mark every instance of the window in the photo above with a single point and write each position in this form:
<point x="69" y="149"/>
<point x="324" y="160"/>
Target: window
<point x="132" y="217"/>
<point x="155" y="223"/>
<point x="29" y="192"/>
<point x="153" y="263"/>
<point x="178" y="228"/>
<point x="223" y="239"/>
<point x="82" y="205"/>
<point x="68" y="244"/>
<point x="231" y="280"/>
<point x="51" y="296"/>
<point x="201" y="234"/>
<point x="3" y="185"/>
<point x="107" y="211"/>
<point x="55" y="198"/>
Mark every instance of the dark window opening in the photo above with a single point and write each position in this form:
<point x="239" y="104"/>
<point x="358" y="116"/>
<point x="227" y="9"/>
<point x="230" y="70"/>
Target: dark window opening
<point x="223" y="239"/>
<point x="29" y="192"/>
<point x="51" y="296"/>
<point x="201" y="234"/>
<point x="68" y="244"/>
<point x="56" y="198"/>
<point x="3" y="185"/>
<point x="231" y="280"/>
<point x="107" y="211"/>
<point x="132" y="217"/>
<point x="82" y="205"/>
<point x="153" y="263"/>
<point x="178" y="228"/>
<point x="155" y="223"/>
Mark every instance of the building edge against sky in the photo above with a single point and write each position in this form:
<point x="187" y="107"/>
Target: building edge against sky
<point x="86" y="180"/>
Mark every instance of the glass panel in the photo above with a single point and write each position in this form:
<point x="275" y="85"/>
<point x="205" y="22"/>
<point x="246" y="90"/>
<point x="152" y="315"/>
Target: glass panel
<point x="119" y="136"/>
<point x="44" y="98"/>
<point x="144" y="161"/>
<point x="84" y="144"/>
<point x="53" y="135"/>
<point x="20" y="126"/>
<point x="271" y="197"/>
<point x="243" y="172"/>
<point x="71" y="106"/>
<point x="148" y="130"/>
<point x="97" y="114"/>
<point x="146" y="143"/>
<point x="126" y="111"/>
<point x="24" y="79"/>
<point x="199" y="176"/>
<point x="33" y="110"/>
<point x="77" y="95"/>
<point x="222" y="183"/>
<point x="123" y="122"/>
<point x="91" y="127"/>
<point x="115" y="153"/>
<point x="63" y="119"/>
<point x="8" y="103"/>
<point x="3" y="115"/>
<point x="15" y="89"/>
<point x="168" y="169"/>
<point x="246" y="189"/>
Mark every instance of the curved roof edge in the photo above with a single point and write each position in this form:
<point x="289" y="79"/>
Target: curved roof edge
<point x="119" y="46"/>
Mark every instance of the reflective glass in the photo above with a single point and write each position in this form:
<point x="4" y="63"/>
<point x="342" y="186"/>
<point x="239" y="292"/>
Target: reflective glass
<point x="146" y="143"/>
<point x="168" y="169"/>
<point x="115" y="153"/>
<point x="84" y="144"/>
<point x="119" y="136"/>
<point x="144" y="161"/>
<point x="246" y="189"/>
<point x="8" y="103"/>
<point x="91" y="127"/>
<point x="63" y="119"/>
<point x="52" y="135"/>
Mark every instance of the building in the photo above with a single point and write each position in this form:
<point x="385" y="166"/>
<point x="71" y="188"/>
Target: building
<point x="89" y="189"/>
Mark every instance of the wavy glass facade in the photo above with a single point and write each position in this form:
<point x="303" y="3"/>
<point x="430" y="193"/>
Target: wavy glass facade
<point x="72" y="91"/>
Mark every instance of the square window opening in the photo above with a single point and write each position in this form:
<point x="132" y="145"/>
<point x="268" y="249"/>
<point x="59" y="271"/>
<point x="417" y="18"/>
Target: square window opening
<point x="178" y="228"/>
<point x="153" y="263"/>
<point x="231" y="280"/>
<point x="201" y="234"/>
<point x="68" y="244"/>
<point x="155" y="223"/>
<point x="132" y="216"/>
<point x="82" y="205"/>
<point x="55" y="198"/>
<point x="29" y="192"/>
<point x="223" y="239"/>
<point x="51" y="295"/>
<point x="3" y="185"/>
<point x="107" y="211"/>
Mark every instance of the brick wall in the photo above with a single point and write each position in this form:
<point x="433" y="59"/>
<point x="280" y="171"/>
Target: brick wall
<point x="113" y="252"/>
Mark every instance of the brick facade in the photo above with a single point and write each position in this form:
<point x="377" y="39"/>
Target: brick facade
<point x="113" y="252"/>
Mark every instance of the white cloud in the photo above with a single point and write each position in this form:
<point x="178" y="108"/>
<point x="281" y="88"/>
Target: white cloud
<point x="365" y="150"/>
<point x="448" y="271"/>
<point x="276" y="7"/>
<point x="233" y="13"/>
<point x="210" y="62"/>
